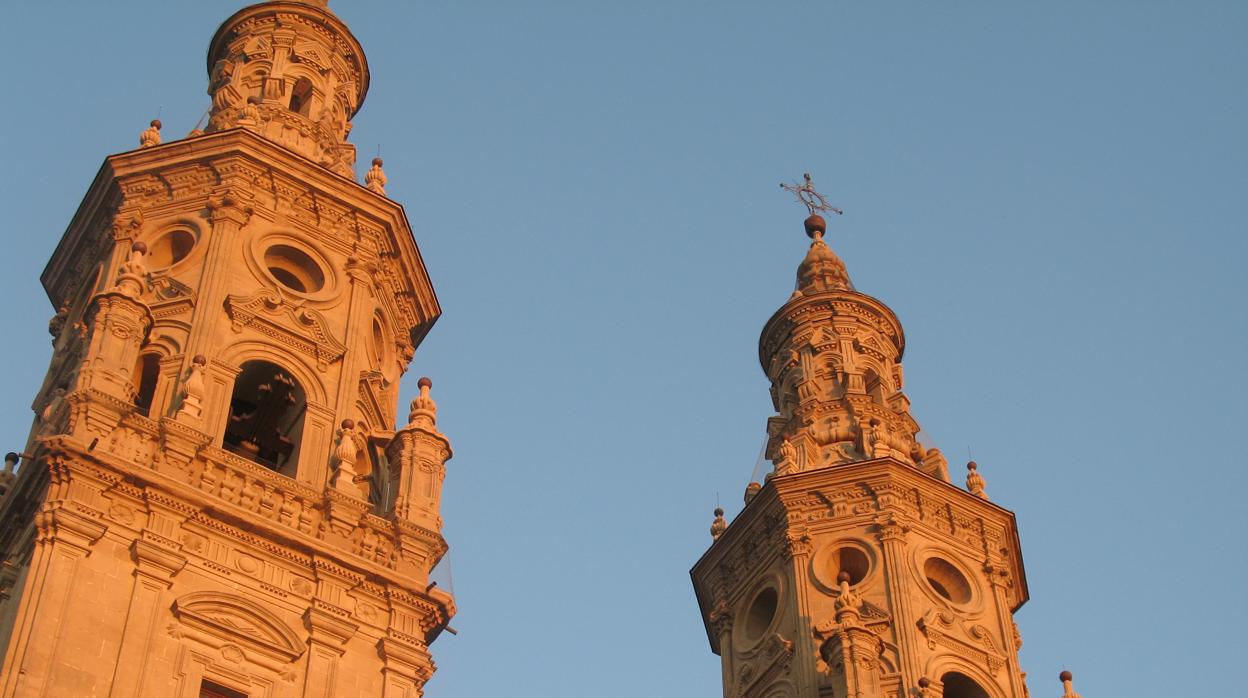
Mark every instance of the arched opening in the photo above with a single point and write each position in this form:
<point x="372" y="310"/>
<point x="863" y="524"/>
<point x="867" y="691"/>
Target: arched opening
<point x="301" y="97"/>
<point x="961" y="686"/>
<point x="146" y="372"/>
<point x="266" y="416"/>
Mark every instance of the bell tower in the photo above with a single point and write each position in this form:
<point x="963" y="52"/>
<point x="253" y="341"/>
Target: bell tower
<point x="857" y="569"/>
<point x="216" y="497"/>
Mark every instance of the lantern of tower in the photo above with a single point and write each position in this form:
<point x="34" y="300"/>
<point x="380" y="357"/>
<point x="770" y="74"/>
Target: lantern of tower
<point x="213" y="497"/>
<point x="858" y="569"/>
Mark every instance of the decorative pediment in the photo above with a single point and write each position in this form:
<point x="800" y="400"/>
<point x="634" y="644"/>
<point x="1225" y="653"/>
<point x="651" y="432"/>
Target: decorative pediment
<point x="236" y="619"/>
<point x="974" y="642"/>
<point x="299" y="328"/>
<point x="310" y="53"/>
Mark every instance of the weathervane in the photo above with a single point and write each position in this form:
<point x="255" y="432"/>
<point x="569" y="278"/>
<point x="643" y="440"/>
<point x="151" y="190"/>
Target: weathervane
<point x="811" y="199"/>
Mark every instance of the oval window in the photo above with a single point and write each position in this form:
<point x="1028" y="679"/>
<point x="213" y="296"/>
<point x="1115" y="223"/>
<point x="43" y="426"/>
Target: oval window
<point x="947" y="580"/>
<point x="762" y="611"/>
<point x="170" y="248"/>
<point x="294" y="269"/>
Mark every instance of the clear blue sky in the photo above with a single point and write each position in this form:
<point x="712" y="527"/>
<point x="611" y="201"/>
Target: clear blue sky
<point x="1050" y="196"/>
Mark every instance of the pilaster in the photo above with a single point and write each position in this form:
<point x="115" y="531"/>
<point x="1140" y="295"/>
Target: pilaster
<point x="328" y="633"/>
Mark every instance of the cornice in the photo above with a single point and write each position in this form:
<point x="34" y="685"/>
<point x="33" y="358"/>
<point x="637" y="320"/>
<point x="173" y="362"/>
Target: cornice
<point x="267" y="159"/>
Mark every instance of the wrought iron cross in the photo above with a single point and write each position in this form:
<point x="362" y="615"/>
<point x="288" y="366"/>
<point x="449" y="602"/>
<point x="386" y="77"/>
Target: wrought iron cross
<point x="811" y="199"/>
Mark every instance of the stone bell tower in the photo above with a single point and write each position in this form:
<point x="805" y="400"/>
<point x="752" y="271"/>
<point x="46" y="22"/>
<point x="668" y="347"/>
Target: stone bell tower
<point x="857" y="570"/>
<point x="216" y="499"/>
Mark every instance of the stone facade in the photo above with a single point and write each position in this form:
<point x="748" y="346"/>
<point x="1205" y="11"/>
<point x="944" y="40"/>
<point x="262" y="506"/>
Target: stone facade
<point x="215" y="498"/>
<point x="857" y="569"/>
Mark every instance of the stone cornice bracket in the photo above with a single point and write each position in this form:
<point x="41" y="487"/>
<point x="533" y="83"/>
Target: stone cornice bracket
<point x="230" y="204"/>
<point x="892" y="527"/>
<point x="68" y="527"/>
<point x="328" y="629"/>
<point x="407" y="659"/>
<point x="157" y="561"/>
<point x="720" y="618"/>
<point x="126" y="223"/>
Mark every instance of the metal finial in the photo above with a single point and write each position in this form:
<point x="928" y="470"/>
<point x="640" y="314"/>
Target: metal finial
<point x="808" y="197"/>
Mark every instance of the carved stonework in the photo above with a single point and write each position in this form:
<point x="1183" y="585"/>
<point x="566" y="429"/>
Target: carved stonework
<point x="302" y="329"/>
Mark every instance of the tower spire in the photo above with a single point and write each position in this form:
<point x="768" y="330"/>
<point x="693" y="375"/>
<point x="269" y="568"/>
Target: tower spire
<point x="858" y="568"/>
<point x="292" y="72"/>
<point x="834" y="359"/>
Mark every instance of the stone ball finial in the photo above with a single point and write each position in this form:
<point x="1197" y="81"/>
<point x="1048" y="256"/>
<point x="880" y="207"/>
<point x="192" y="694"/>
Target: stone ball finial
<point x="11" y="457"/>
<point x="719" y="511"/>
<point x="815" y="224"/>
<point x="200" y="360"/>
<point x="971" y="466"/>
<point x="424" y="382"/>
<point x="348" y="424"/>
<point x="139" y="247"/>
<point x="1066" y="676"/>
<point x="378" y="162"/>
<point x="924" y="682"/>
<point x="843" y="577"/>
<point x="156" y="123"/>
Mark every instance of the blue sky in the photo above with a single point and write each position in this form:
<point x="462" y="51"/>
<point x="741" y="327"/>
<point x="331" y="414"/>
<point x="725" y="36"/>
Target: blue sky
<point x="1049" y="195"/>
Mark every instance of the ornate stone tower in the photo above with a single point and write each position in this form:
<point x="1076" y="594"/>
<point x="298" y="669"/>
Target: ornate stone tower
<point x="857" y="570"/>
<point x="215" y="499"/>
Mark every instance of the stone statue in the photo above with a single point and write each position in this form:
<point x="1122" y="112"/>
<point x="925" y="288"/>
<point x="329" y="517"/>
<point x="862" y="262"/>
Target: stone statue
<point x="57" y="324"/>
<point x="53" y="411"/>
<point x="344" y="477"/>
<point x="193" y="389"/>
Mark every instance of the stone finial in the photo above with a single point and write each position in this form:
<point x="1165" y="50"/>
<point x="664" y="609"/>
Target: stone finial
<point x="10" y="462"/>
<point x="194" y="389"/>
<point x="345" y="452"/>
<point x="847" y="602"/>
<point x="375" y="178"/>
<point x="787" y="462"/>
<point x="249" y="115"/>
<point x="751" y="491"/>
<point x="1068" y="689"/>
<point x="925" y="688"/>
<point x="975" y="481"/>
<point x="150" y="135"/>
<point x="718" y="526"/>
<point x="424" y="410"/>
<point x="133" y="272"/>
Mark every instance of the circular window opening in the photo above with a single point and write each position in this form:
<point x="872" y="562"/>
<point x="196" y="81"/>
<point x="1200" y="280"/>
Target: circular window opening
<point x="947" y="580"/>
<point x="850" y="560"/>
<point x="762" y="611"/>
<point x="294" y="269"/>
<point x="170" y="248"/>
